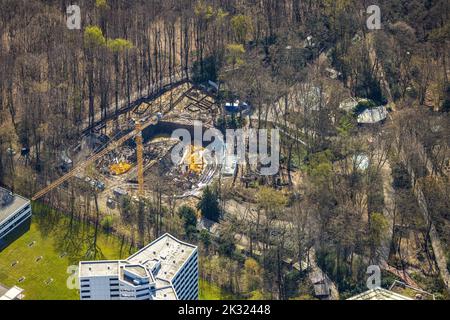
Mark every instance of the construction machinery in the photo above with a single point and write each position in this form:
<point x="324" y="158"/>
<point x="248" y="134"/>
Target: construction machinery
<point x="120" y="168"/>
<point x="195" y="158"/>
<point x="137" y="132"/>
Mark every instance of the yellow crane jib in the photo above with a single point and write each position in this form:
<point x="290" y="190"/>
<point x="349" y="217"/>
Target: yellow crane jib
<point x="112" y="145"/>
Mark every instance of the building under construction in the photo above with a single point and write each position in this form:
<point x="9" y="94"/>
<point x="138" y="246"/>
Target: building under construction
<point x="136" y="147"/>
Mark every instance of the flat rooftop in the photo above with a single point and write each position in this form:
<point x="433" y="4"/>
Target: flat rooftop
<point x="379" y="294"/>
<point x="159" y="261"/>
<point x="8" y="209"/>
<point x="171" y="252"/>
<point x="165" y="293"/>
<point x="12" y="294"/>
<point x="138" y="270"/>
<point x="99" y="268"/>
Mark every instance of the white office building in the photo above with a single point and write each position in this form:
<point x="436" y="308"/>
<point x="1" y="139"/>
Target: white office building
<point x="14" y="293"/>
<point x="166" y="269"/>
<point x="14" y="210"/>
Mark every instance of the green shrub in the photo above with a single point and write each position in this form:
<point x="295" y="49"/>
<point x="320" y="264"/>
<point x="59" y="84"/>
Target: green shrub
<point x="107" y="223"/>
<point x="189" y="218"/>
<point x="363" y="105"/>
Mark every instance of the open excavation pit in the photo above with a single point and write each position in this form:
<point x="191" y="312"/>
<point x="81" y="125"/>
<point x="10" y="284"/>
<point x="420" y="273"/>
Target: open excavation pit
<point x="183" y="179"/>
<point x="116" y="173"/>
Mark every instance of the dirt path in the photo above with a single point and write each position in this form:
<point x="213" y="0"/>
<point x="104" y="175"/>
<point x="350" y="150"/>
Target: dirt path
<point x="388" y="211"/>
<point x="316" y="269"/>
<point x="436" y="244"/>
<point x="241" y="211"/>
<point x="434" y="237"/>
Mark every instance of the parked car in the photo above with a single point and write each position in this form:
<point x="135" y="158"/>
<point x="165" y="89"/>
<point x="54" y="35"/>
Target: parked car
<point x="110" y="203"/>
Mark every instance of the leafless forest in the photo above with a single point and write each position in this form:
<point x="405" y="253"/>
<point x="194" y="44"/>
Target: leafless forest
<point x="349" y="194"/>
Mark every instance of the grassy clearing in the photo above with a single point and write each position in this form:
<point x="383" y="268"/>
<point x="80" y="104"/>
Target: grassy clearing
<point x="210" y="291"/>
<point x="60" y="243"/>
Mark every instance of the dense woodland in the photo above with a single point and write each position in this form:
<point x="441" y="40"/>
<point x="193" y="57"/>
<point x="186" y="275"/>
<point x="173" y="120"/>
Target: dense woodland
<point x="54" y="81"/>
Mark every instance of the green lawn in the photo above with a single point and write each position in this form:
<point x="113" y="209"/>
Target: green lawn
<point x="53" y="235"/>
<point x="210" y="291"/>
<point x="61" y="244"/>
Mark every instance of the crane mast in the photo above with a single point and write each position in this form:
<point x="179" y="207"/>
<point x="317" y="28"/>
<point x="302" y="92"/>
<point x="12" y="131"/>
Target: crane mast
<point x="140" y="159"/>
<point x="112" y="146"/>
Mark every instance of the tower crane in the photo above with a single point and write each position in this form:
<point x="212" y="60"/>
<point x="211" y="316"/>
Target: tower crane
<point x="140" y="158"/>
<point x="137" y="133"/>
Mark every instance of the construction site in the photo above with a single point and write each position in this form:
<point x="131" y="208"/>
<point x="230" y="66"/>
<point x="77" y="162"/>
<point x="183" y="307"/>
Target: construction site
<point x="124" y="155"/>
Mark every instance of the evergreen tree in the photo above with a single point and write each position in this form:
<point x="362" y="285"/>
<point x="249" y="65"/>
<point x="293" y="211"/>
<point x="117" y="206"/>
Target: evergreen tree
<point x="209" y="204"/>
<point x="189" y="220"/>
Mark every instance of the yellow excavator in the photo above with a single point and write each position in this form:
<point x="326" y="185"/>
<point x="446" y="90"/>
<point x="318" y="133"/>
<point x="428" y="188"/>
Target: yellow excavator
<point x="136" y="133"/>
<point x="196" y="161"/>
<point x="120" y="168"/>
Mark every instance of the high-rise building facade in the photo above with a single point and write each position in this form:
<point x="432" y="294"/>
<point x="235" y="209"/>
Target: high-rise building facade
<point x="14" y="210"/>
<point x="166" y="269"/>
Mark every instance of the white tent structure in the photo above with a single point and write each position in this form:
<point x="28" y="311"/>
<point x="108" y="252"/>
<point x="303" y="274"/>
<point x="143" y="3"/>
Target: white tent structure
<point x="373" y="115"/>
